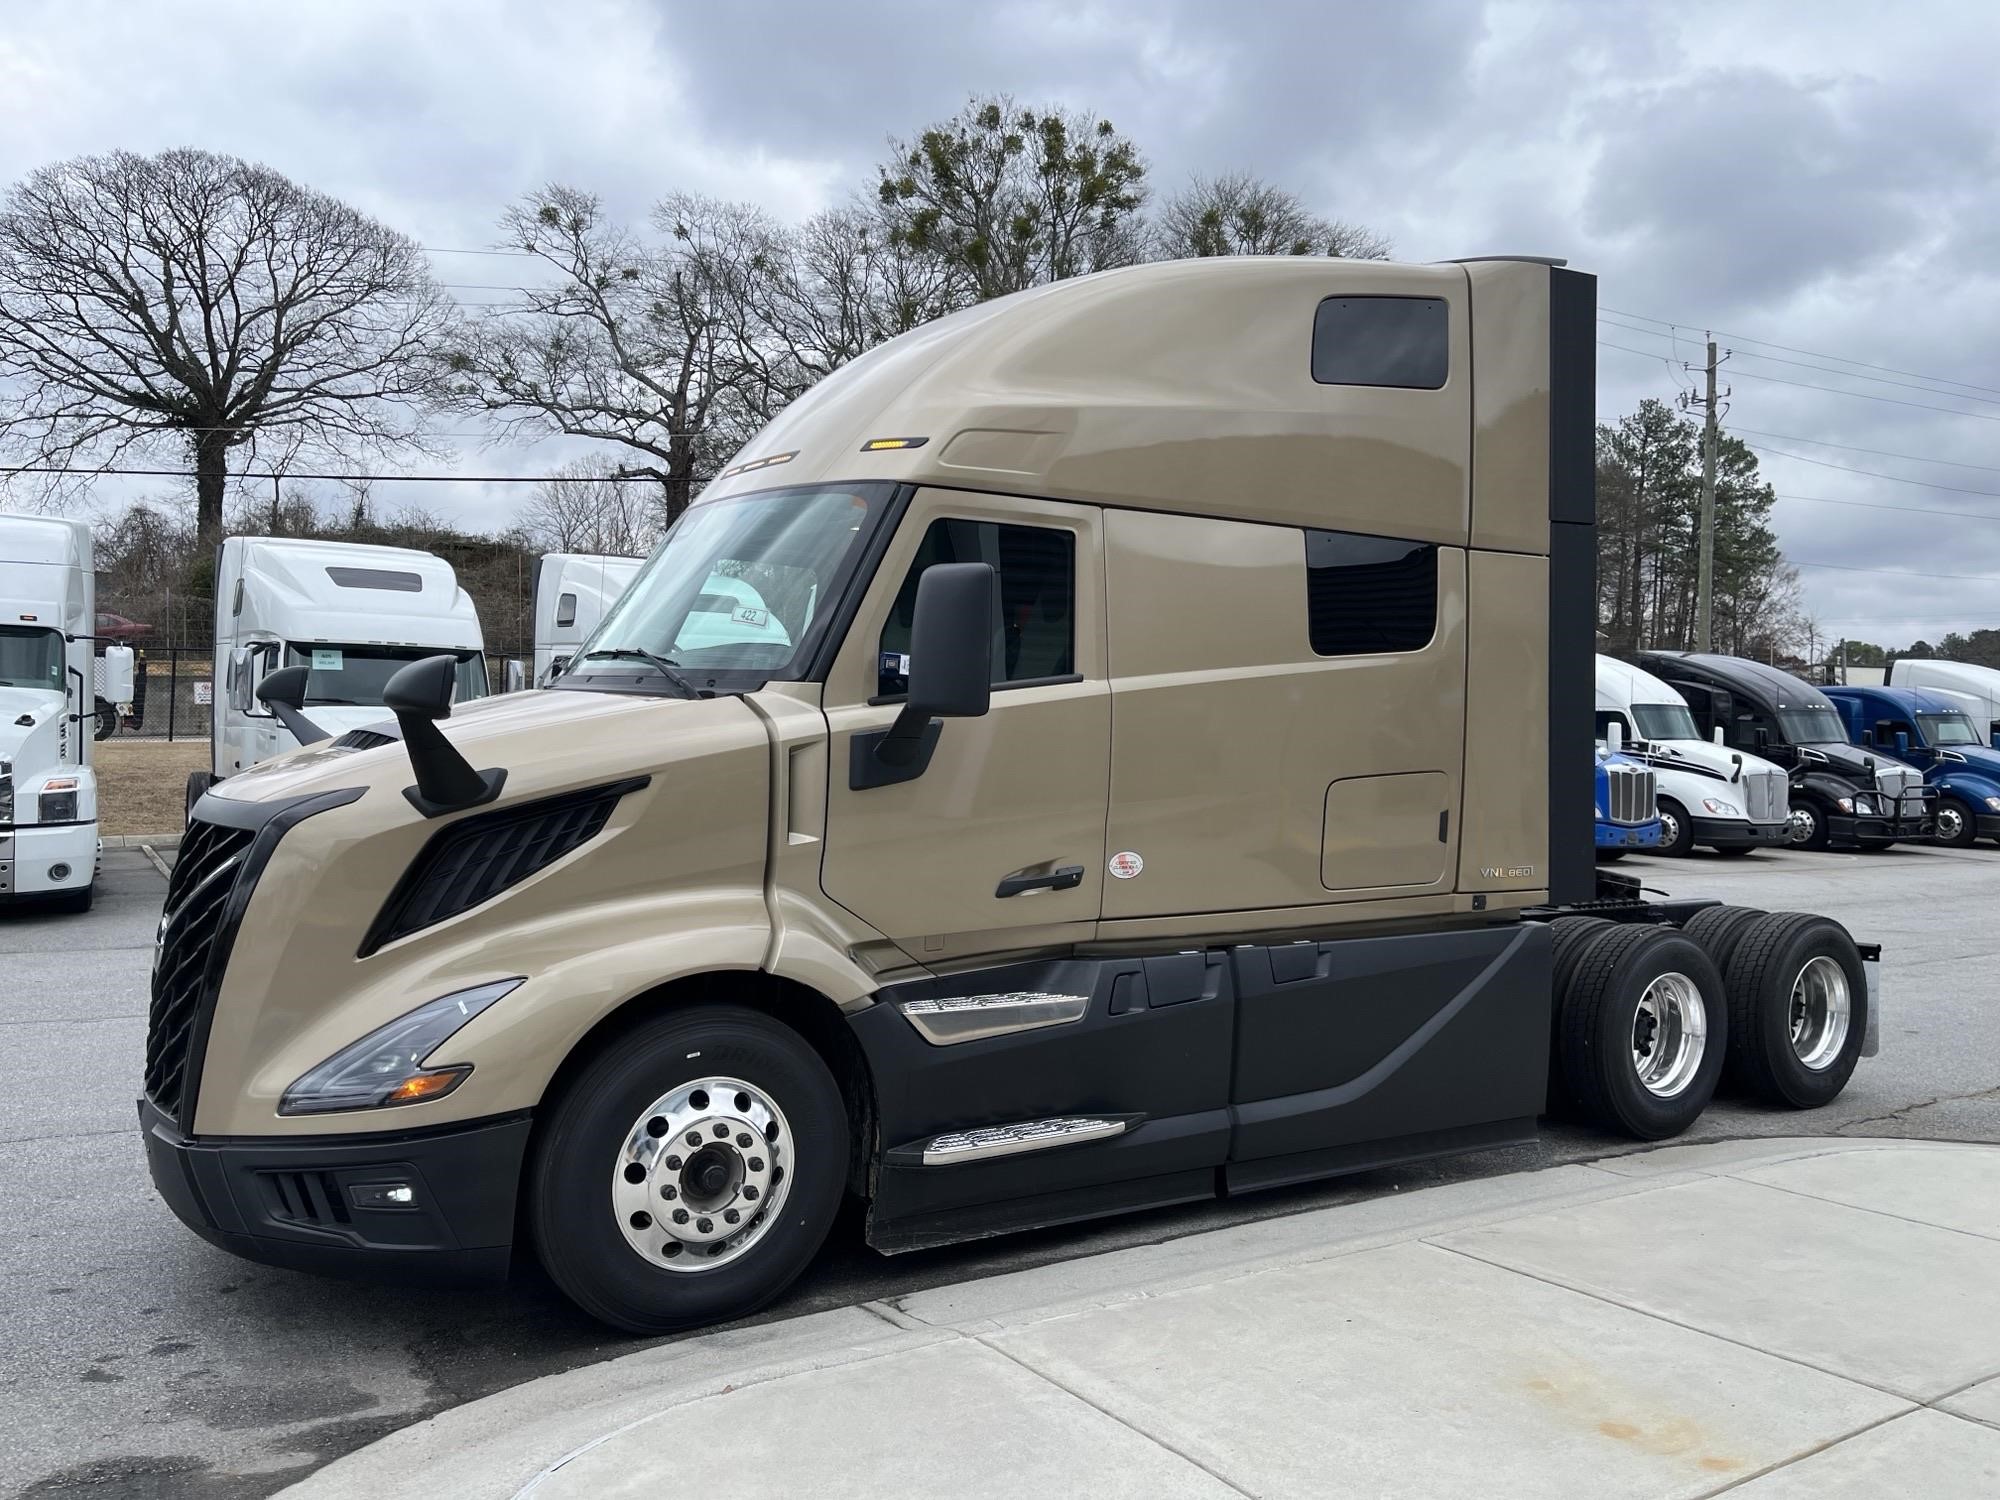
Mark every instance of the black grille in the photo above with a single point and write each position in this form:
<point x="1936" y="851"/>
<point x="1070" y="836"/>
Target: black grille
<point x="476" y="858"/>
<point x="205" y="872"/>
<point x="363" y="739"/>
<point x="311" y="1198"/>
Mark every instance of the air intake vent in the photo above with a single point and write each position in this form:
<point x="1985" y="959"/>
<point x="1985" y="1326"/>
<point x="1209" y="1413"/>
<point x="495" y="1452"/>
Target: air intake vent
<point x="309" y="1198"/>
<point x="473" y="860"/>
<point x="205" y="872"/>
<point x="363" y="739"/>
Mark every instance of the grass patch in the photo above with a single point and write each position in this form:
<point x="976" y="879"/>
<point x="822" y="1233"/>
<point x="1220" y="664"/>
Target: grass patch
<point x="142" y="784"/>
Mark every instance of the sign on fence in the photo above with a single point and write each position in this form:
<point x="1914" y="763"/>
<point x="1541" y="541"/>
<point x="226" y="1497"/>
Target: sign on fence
<point x="204" y="693"/>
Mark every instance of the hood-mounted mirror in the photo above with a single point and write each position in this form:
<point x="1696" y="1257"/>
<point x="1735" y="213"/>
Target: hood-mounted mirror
<point x="419" y="695"/>
<point x="284" y="693"/>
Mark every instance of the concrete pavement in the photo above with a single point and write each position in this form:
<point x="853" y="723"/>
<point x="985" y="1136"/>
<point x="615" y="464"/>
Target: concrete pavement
<point x="1777" y="1318"/>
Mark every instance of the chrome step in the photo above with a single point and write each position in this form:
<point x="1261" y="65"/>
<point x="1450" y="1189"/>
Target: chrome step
<point x="989" y="1141"/>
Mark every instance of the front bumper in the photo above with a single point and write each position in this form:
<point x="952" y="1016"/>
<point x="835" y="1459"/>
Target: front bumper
<point x="1859" y="828"/>
<point x="1988" y="825"/>
<point x="29" y="852"/>
<point x="1734" y="833"/>
<point x="289" y="1200"/>
<point x="1617" y="836"/>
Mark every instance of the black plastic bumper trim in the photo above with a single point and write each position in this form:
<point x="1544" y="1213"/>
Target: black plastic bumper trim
<point x="1734" y="833"/>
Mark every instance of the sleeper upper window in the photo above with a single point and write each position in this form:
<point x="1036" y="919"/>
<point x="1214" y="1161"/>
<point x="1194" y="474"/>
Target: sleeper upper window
<point x="1035" y="635"/>
<point x="1396" y="341"/>
<point x="565" y="609"/>
<point x="1369" y="593"/>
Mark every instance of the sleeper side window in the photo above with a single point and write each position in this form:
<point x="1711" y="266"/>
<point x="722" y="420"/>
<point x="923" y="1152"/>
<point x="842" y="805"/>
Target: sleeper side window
<point x="1393" y="341"/>
<point x="1034" y="637"/>
<point x="1366" y="594"/>
<point x="565" y="609"/>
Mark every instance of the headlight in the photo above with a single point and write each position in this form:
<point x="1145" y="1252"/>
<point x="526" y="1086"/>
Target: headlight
<point x="1993" y="803"/>
<point x="1845" y="804"/>
<point x="1720" y="808"/>
<point x="57" y="803"/>
<point x="387" y="1066"/>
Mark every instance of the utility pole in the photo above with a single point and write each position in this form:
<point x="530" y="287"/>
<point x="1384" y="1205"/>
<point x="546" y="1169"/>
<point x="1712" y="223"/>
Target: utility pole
<point x="1705" y="576"/>
<point x="275" y="501"/>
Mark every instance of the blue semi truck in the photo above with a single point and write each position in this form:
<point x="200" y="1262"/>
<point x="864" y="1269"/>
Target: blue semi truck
<point x="1937" y="735"/>
<point x="1628" y="814"/>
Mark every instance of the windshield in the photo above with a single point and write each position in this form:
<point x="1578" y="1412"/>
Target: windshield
<point x="741" y="585"/>
<point x="1812" y="726"/>
<point x="1664" y="721"/>
<point x="354" y="676"/>
<point x="31" y="658"/>
<point x="1948" y="729"/>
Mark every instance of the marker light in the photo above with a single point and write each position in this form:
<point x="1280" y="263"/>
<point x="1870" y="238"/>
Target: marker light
<point x="885" y="445"/>
<point x="391" y="1064"/>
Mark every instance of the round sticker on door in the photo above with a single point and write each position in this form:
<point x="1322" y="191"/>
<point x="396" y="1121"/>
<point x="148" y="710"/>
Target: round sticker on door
<point x="1125" y="864"/>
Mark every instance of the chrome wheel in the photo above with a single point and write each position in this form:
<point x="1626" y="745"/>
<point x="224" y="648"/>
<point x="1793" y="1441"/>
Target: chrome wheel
<point x="1669" y="1035"/>
<point x="1950" y="823"/>
<point x="1670" y="829"/>
<point x="1821" y="1008"/>
<point x="702" y="1174"/>
<point x="1803" y="826"/>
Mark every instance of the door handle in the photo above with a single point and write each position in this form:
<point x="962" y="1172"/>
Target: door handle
<point x="1067" y="878"/>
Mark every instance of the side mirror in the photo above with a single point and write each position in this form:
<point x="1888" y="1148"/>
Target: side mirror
<point x="242" y="668"/>
<point x="1737" y="761"/>
<point x="1717" y="736"/>
<point x="419" y="695"/>
<point x="284" y="693"/>
<point x="1763" y="739"/>
<point x="1903" y="743"/>
<point x="951" y="673"/>
<point x="1614" y="735"/>
<point x="514" y="675"/>
<point x="118" y="671"/>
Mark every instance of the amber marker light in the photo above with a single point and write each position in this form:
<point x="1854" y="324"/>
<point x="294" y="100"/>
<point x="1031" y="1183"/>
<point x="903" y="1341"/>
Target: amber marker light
<point x="420" y="1086"/>
<point x="888" y="445"/>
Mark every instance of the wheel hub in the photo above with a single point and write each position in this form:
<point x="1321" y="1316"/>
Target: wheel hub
<point x="701" y="1174"/>
<point x="1822" y="1007"/>
<point x="1949" y="824"/>
<point x="1669" y="1035"/>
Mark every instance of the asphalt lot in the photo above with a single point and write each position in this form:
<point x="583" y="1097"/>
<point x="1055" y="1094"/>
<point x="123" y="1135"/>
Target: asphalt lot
<point x="137" y="1361"/>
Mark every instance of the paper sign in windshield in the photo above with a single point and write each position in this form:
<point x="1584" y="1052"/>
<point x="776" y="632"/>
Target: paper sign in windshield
<point x="325" y="660"/>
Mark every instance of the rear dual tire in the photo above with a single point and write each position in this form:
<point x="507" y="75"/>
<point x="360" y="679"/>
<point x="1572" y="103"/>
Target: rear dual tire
<point x="615" y="1165"/>
<point x="1640" y="1030"/>
<point x="1798" y="1009"/>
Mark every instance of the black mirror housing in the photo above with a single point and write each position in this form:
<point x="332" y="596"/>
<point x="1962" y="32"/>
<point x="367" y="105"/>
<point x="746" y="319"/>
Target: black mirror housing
<point x="951" y="642"/>
<point x="420" y="695"/>
<point x="284" y="693"/>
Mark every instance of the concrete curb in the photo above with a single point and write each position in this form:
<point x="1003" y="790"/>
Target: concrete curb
<point x="161" y="841"/>
<point x="521" y="1441"/>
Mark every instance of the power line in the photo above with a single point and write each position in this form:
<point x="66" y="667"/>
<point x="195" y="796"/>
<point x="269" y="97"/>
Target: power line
<point x="1821" y="369"/>
<point x="1914" y="510"/>
<point x="1896" y="572"/>
<point x="1816" y="353"/>
<point x="1834" y="390"/>
<point x="1824" y="463"/>
<point x="371" y="478"/>
<point x="1917" y="458"/>
<point x="447" y="250"/>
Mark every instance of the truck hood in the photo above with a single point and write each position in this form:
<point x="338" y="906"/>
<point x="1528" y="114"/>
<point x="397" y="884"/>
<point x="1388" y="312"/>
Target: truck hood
<point x="1702" y="756"/>
<point x="34" y="746"/>
<point x="546" y="740"/>
<point x="1851" y="761"/>
<point x="1980" y="758"/>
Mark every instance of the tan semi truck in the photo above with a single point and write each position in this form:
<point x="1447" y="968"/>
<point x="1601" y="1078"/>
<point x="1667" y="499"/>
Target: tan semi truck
<point x="1169" y="781"/>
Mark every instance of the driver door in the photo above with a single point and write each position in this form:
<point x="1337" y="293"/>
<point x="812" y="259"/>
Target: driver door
<point x="999" y="843"/>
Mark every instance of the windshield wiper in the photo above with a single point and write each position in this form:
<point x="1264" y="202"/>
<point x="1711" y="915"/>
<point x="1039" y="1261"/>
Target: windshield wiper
<point x="667" y="669"/>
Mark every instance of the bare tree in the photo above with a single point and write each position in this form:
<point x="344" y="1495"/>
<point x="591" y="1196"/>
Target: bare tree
<point x="579" y="508"/>
<point x="210" y="301"/>
<point x="635" y="342"/>
<point x="1007" y="197"/>
<point x="1238" y="214"/>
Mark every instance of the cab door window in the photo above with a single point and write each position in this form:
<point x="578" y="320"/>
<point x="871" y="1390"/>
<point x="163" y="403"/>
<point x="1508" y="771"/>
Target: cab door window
<point x="1034" y="635"/>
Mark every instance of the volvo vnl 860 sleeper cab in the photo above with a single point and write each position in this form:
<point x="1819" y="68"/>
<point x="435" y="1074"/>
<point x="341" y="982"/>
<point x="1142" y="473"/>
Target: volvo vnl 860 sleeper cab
<point x="349" y="616"/>
<point x="51" y="698"/>
<point x="1729" y="800"/>
<point x="1166" y="785"/>
<point x="1841" y="795"/>
<point x="1974" y="688"/>
<point x="572" y="592"/>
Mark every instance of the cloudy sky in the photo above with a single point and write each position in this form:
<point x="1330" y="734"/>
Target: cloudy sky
<point x="1815" y="182"/>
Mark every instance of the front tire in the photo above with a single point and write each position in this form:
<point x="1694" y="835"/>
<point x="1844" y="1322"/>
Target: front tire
<point x="1957" y="824"/>
<point x="729" y="1220"/>
<point x="106" y="716"/>
<point x="1798" y="1009"/>
<point x="198" y="783"/>
<point x="1643" y="1031"/>
<point x="1676" y="829"/>
<point x="1808" y="830"/>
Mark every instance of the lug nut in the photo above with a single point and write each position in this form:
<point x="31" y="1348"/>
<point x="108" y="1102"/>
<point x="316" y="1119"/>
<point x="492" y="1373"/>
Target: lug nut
<point x="702" y="1226"/>
<point x="743" y="1140"/>
<point x="722" y="1132"/>
<point x="730" y="1216"/>
<point x="669" y="1191"/>
<point x="694" y="1137"/>
<point x="673" y="1164"/>
<point x="756" y="1163"/>
<point x="680" y="1216"/>
<point x="750" y="1190"/>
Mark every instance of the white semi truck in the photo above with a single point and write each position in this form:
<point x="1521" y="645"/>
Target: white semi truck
<point x="572" y="592"/>
<point x="350" y="615"/>
<point x="50" y="692"/>
<point x="1974" y="687"/>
